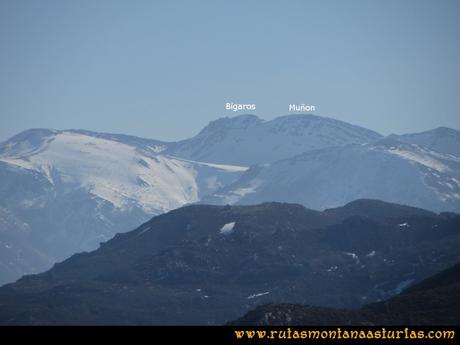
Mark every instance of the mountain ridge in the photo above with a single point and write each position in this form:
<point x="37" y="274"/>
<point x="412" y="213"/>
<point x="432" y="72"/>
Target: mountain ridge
<point x="76" y="189"/>
<point x="180" y="262"/>
<point x="247" y="139"/>
<point x="433" y="301"/>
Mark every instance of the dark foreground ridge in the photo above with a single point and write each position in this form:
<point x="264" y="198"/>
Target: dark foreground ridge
<point x="434" y="301"/>
<point x="205" y="264"/>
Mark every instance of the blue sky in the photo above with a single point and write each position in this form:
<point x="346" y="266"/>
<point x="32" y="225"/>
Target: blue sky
<point x="164" y="69"/>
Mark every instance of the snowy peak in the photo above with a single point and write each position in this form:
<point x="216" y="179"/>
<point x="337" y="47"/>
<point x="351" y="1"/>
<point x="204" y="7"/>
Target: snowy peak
<point x="124" y="171"/>
<point x="31" y="141"/>
<point x="149" y="145"/>
<point x="248" y="140"/>
<point x="310" y="125"/>
<point x="27" y="143"/>
<point x="230" y="123"/>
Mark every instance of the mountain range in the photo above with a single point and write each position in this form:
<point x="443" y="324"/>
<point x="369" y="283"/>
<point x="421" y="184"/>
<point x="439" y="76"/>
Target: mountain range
<point x="206" y="264"/>
<point x="72" y="190"/>
<point x="66" y="191"/>
<point x="385" y="169"/>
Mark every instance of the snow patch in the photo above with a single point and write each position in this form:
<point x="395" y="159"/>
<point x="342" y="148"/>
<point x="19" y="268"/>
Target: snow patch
<point x="419" y="157"/>
<point x="227" y="229"/>
<point x="258" y="295"/>
<point x="401" y="286"/>
<point x="235" y="195"/>
<point x="353" y="256"/>
<point x="225" y="167"/>
<point x="371" y="254"/>
<point x="147" y="228"/>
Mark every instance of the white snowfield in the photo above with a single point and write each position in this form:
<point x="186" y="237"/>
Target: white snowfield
<point x="247" y="139"/>
<point x="116" y="172"/>
<point x="428" y="159"/>
<point x="230" y="168"/>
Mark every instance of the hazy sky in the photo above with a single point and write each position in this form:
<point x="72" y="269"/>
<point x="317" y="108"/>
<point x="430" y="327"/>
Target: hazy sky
<point x="163" y="69"/>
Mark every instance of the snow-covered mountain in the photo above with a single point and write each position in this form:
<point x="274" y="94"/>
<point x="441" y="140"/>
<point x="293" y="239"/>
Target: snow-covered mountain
<point x="247" y="139"/>
<point x="75" y="189"/>
<point x="387" y="170"/>
<point x="121" y="174"/>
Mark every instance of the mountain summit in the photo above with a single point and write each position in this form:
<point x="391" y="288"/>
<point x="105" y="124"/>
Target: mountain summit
<point x="247" y="140"/>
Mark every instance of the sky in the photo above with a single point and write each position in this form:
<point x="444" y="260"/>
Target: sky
<point x="164" y="69"/>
